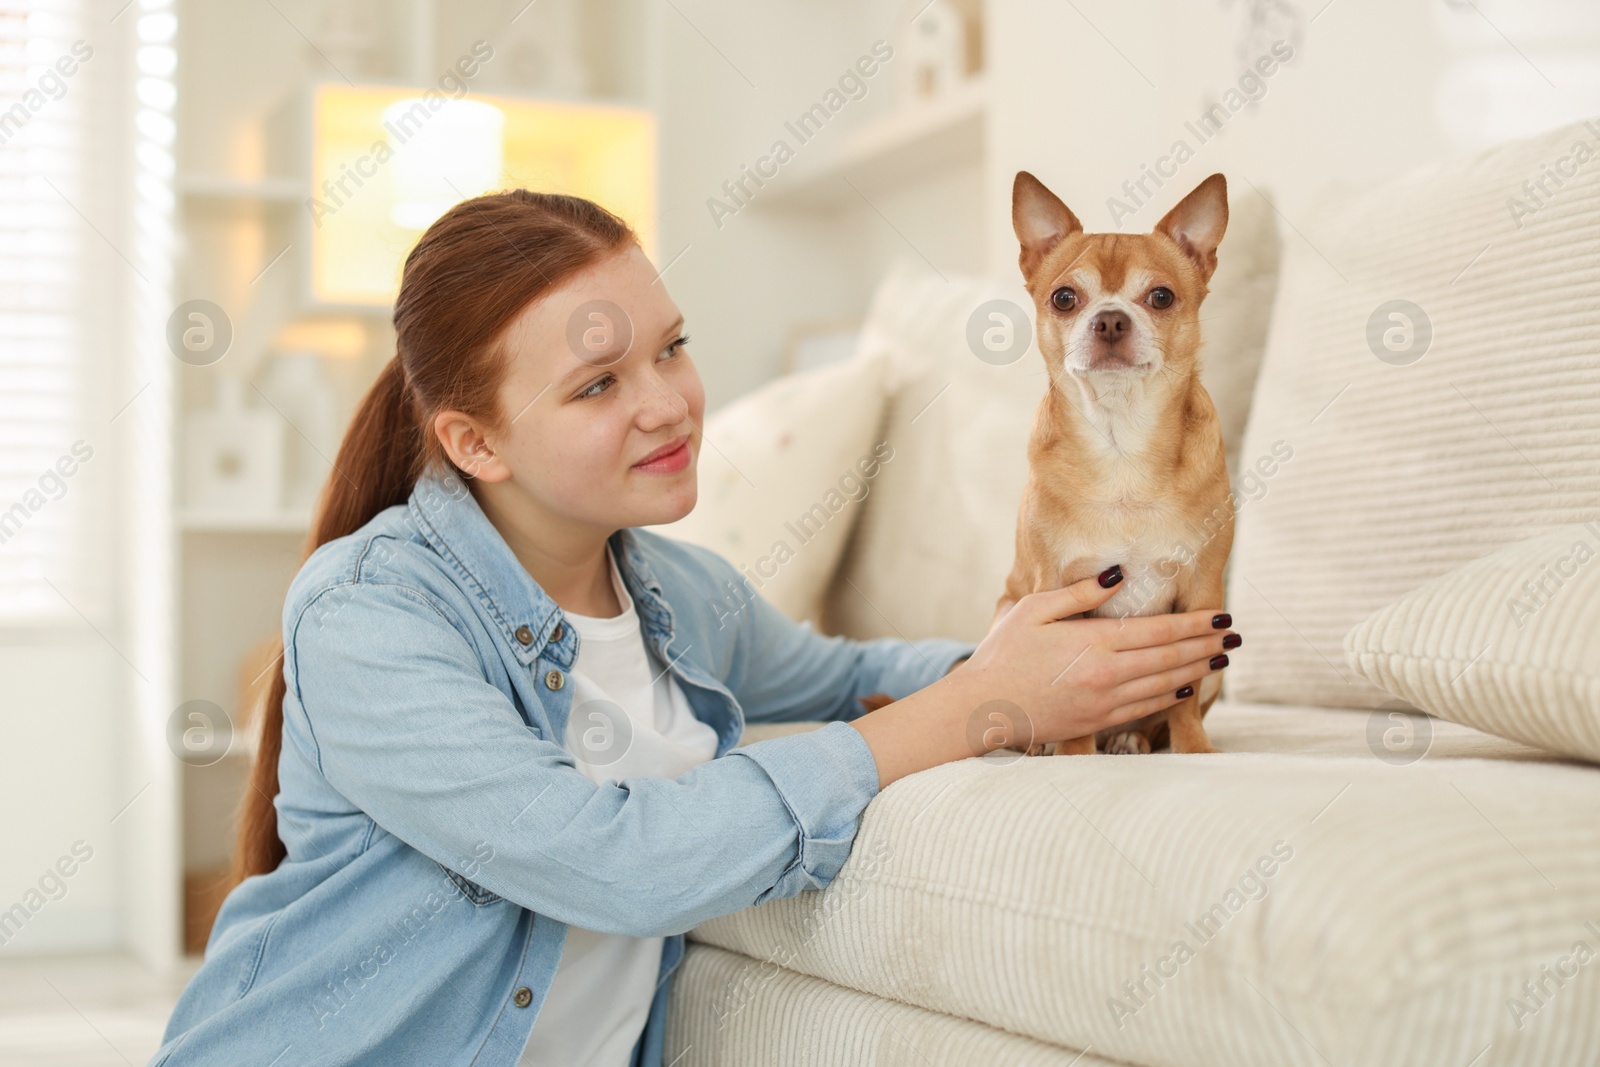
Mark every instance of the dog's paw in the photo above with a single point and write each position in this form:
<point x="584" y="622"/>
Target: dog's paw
<point x="1129" y="742"/>
<point x="1037" y="750"/>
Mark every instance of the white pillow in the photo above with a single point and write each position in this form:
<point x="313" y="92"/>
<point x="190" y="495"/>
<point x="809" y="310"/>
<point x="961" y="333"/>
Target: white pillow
<point x="1236" y="313"/>
<point x="1397" y="464"/>
<point x="782" y="474"/>
<point x="1509" y="644"/>
<point x="937" y="536"/>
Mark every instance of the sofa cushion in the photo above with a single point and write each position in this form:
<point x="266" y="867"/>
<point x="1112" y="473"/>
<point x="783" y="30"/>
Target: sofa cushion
<point x="727" y="1008"/>
<point x="1341" y="898"/>
<point x="782" y="474"/>
<point x="938" y="536"/>
<point x="1509" y="643"/>
<point x="933" y="545"/>
<point x="1430" y="393"/>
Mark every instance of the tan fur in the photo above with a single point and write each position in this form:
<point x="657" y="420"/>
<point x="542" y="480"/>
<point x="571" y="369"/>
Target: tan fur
<point x="1125" y="466"/>
<point x="1126" y="460"/>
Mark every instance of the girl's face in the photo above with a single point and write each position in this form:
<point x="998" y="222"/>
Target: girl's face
<point x="598" y="379"/>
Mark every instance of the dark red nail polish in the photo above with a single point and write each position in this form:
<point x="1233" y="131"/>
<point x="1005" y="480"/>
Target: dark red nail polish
<point x="1218" y="662"/>
<point x="1111" y="576"/>
<point x="1185" y="693"/>
<point x="1232" y="641"/>
<point x="1221" y="622"/>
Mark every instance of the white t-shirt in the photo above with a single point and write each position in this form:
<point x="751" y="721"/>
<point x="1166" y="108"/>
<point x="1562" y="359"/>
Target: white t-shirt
<point x="629" y="718"/>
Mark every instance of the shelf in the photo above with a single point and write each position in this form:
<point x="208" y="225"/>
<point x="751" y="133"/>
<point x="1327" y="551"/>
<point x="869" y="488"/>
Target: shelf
<point x="898" y="148"/>
<point x="223" y="187"/>
<point x="285" y="522"/>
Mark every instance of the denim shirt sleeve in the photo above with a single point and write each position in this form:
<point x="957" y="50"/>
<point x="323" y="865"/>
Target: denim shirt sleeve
<point x="787" y="672"/>
<point x="391" y="703"/>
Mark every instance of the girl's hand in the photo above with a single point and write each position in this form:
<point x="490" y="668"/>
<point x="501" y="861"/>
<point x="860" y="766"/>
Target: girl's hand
<point x="1071" y="677"/>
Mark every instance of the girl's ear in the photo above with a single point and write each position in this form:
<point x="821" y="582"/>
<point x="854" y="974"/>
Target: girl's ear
<point x="468" y="448"/>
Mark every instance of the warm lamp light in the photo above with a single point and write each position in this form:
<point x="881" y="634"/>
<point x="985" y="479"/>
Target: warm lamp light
<point x="441" y="157"/>
<point x="386" y="161"/>
<point x="337" y="338"/>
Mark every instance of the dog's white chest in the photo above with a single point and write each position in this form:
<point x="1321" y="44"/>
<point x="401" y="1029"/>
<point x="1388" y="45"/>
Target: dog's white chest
<point x="1154" y="564"/>
<point x="1150" y="579"/>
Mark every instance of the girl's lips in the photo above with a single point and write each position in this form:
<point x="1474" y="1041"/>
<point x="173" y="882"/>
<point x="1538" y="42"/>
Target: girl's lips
<point x="669" y="462"/>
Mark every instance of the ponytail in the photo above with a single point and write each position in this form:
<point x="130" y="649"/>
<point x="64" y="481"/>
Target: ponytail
<point x="468" y="276"/>
<point x="383" y="446"/>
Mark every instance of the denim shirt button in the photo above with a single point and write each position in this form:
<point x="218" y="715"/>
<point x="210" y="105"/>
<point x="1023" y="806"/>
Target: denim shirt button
<point x="553" y="680"/>
<point x="525" y="635"/>
<point x="555" y="635"/>
<point x="522" y="997"/>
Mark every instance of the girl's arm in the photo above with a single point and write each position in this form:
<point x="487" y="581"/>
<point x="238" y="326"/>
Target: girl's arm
<point x="388" y="700"/>
<point x="784" y="671"/>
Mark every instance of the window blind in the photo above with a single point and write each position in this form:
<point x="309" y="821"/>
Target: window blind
<point x="56" y="462"/>
<point x="40" y="270"/>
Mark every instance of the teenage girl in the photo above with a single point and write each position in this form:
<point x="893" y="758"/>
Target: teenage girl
<point x="495" y="785"/>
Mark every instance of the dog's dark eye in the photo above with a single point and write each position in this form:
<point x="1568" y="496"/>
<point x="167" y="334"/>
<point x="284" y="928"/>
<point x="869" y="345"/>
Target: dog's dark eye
<point x="1064" y="299"/>
<point x="1160" y="297"/>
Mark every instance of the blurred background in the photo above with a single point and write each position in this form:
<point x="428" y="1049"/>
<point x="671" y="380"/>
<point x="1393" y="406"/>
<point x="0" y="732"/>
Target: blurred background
<point x="203" y="211"/>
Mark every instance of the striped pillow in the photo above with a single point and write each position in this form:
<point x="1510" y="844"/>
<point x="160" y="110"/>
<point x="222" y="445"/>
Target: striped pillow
<point x="1433" y="376"/>
<point x="1509" y="644"/>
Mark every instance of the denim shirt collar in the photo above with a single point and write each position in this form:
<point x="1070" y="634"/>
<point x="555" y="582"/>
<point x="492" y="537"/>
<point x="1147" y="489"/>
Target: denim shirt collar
<point x="449" y="517"/>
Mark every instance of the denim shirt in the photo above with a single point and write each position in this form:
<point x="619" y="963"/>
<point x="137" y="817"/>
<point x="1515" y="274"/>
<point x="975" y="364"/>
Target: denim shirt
<point x="440" y="838"/>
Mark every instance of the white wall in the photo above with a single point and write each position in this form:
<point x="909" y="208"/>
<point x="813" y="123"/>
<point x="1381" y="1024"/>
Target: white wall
<point x="730" y="75"/>
<point x="60" y="784"/>
<point x="1375" y="87"/>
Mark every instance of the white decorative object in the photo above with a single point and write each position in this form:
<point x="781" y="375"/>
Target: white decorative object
<point x="933" y="59"/>
<point x="233" y="455"/>
<point x="298" y="388"/>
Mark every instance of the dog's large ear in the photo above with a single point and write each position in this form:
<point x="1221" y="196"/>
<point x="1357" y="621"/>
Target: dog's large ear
<point x="1196" y="224"/>
<point x="1040" y="219"/>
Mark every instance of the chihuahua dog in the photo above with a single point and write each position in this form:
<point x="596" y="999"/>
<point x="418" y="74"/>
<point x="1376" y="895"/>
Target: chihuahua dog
<point x="1126" y="461"/>
<point x="1126" y="466"/>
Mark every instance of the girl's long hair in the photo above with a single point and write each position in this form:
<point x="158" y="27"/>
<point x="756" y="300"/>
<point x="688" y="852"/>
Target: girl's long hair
<point x="469" y="275"/>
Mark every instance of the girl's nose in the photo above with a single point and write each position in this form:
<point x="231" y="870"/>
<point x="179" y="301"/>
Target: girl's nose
<point x="663" y="405"/>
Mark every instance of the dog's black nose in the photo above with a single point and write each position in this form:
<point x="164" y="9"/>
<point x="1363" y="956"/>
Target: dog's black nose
<point x="1110" y="326"/>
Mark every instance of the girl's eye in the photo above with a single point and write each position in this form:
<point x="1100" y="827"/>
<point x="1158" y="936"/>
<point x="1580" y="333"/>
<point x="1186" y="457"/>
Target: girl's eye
<point x="591" y="392"/>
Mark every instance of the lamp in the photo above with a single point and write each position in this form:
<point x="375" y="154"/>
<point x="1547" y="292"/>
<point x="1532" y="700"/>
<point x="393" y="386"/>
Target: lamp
<point x="388" y="160"/>
<point x="441" y="156"/>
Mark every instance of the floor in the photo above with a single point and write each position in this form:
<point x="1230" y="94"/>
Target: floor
<point x="84" y="1011"/>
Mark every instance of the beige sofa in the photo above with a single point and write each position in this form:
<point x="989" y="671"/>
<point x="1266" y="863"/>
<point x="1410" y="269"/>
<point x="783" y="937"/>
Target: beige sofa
<point x="1350" y="880"/>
